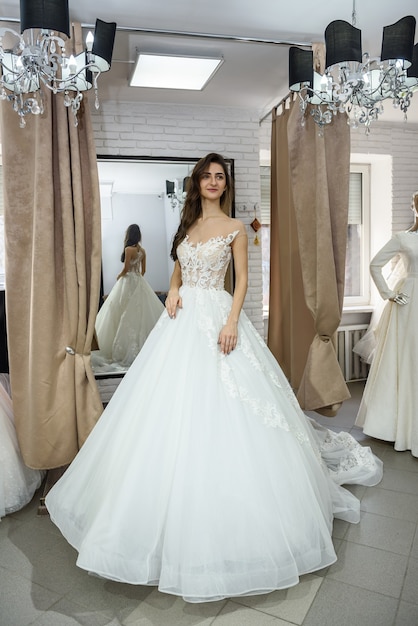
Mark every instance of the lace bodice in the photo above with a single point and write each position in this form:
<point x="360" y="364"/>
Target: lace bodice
<point x="135" y="264"/>
<point x="204" y="264"/>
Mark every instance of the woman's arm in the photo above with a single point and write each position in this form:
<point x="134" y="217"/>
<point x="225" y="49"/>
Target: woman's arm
<point x="144" y="262"/>
<point x="229" y="334"/>
<point x="173" y="299"/>
<point x="128" y="257"/>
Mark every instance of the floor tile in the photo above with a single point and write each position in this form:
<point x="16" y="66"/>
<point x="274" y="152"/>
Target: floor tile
<point x="404" y="481"/>
<point x="410" y="587"/>
<point x="390" y="503"/>
<point x="22" y="601"/>
<point x="407" y="614"/>
<point x="338" y="604"/>
<point x="400" y="460"/>
<point x="238" y="615"/>
<point x="386" y="533"/>
<point x="369" y="568"/>
<point x="288" y="604"/>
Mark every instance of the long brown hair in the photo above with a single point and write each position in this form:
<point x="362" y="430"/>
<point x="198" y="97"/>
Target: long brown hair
<point x="192" y="208"/>
<point x="132" y="237"/>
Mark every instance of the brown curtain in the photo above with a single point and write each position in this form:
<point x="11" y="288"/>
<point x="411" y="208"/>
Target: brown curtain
<point x="53" y="267"/>
<point x="320" y="169"/>
<point x="311" y="174"/>
<point x="290" y="328"/>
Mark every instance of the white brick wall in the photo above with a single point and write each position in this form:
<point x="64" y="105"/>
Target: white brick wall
<point x="146" y="129"/>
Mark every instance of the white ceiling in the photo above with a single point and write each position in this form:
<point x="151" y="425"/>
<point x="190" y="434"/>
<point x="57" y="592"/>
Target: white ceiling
<point x="253" y="75"/>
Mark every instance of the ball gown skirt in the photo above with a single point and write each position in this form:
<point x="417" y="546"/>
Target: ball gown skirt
<point x="126" y="318"/>
<point x="203" y="476"/>
<point x="18" y="482"/>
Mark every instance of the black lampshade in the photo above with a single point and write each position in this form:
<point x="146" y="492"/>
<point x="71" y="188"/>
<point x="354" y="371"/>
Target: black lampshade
<point x="398" y="40"/>
<point x="169" y="187"/>
<point x="412" y="70"/>
<point x="48" y="14"/>
<point x="342" y="43"/>
<point x="104" y="38"/>
<point x="300" y="67"/>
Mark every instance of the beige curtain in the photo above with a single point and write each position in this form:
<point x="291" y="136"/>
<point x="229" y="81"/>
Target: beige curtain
<point x="53" y="266"/>
<point x="319" y="172"/>
<point x="291" y="328"/>
<point x="309" y="222"/>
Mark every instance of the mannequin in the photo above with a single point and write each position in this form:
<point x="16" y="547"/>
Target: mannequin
<point x="389" y="407"/>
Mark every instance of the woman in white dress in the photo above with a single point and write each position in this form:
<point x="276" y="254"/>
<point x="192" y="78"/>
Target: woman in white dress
<point x="18" y="482"/>
<point x="203" y="476"/>
<point x="132" y="308"/>
<point x="389" y="406"/>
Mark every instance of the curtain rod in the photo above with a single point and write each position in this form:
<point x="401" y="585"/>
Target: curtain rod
<point x="175" y="33"/>
<point x="179" y="33"/>
<point x="282" y="101"/>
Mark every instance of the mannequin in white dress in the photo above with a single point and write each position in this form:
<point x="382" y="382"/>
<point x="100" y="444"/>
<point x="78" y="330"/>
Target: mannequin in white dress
<point x="132" y="308"/>
<point x="389" y="407"/>
<point x="203" y="476"/>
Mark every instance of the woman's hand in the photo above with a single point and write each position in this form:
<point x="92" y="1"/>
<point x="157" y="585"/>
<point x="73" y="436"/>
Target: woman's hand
<point x="172" y="301"/>
<point x="228" y="337"/>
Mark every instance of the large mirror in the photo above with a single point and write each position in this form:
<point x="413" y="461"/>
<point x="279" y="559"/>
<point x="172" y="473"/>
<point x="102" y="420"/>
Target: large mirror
<point x="150" y="192"/>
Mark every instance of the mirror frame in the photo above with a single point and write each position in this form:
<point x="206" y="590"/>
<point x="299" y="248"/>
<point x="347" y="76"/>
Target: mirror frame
<point x="229" y="279"/>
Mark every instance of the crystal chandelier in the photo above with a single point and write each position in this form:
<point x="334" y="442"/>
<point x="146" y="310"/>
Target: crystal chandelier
<point x="353" y="81"/>
<point x="176" y="191"/>
<point x="36" y="59"/>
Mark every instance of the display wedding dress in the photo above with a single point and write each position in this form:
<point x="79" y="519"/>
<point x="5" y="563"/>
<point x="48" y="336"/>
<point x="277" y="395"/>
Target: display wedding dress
<point x="18" y="482"/>
<point x="203" y="476"/>
<point x="389" y="406"/>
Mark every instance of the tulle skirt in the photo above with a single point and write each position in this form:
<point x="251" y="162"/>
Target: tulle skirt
<point x="126" y="318"/>
<point x="203" y="476"/>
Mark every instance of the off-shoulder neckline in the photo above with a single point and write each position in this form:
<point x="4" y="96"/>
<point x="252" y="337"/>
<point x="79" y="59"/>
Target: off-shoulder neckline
<point x="215" y="238"/>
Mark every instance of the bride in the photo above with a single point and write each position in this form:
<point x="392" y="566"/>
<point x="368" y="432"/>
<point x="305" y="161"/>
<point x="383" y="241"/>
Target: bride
<point x="131" y="310"/>
<point x="203" y="476"/>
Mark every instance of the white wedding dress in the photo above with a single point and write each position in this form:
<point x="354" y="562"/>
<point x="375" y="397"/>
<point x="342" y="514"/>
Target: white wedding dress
<point x="18" y="482"/>
<point x="203" y="476"/>
<point x="127" y="317"/>
<point x="389" y="406"/>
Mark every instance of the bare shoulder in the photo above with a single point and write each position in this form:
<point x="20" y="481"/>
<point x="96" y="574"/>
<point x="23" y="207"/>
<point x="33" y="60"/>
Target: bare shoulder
<point x="239" y="226"/>
<point x="130" y="252"/>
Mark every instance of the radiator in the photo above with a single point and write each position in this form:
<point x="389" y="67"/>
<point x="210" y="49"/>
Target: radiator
<point x="351" y="364"/>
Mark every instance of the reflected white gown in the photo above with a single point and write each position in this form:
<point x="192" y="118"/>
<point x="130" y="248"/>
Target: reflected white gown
<point x="389" y="406"/>
<point x="18" y="482"/>
<point x="203" y="476"/>
<point x="127" y="316"/>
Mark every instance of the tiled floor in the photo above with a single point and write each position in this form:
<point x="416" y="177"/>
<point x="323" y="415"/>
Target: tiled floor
<point x="373" y="583"/>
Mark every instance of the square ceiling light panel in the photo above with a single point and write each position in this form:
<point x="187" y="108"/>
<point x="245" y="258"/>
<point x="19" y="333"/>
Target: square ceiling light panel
<point x="163" y="71"/>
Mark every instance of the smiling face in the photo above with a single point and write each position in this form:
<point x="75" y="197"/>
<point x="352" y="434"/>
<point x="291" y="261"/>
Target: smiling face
<point x="213" y="182"/>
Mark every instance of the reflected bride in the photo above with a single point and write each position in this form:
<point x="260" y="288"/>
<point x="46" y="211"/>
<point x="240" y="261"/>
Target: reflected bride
<point x="131" y="309"/>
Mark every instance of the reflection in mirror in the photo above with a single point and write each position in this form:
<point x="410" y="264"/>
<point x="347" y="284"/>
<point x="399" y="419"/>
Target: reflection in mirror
<point x="132" y="308"/>
<point x="149" y="192"/>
